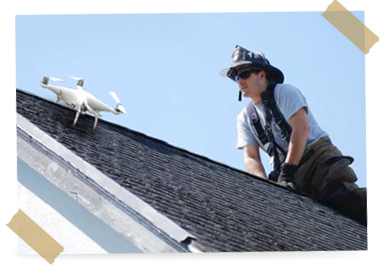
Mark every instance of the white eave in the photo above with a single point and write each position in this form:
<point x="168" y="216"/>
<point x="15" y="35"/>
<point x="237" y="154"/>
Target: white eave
<point x="127" y="214"/>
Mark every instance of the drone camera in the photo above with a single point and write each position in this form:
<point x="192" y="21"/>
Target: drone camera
<point x="80" y="82"/>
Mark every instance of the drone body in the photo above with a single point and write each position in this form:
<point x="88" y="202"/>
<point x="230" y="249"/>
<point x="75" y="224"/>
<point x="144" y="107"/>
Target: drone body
<point x="82" y="101"/>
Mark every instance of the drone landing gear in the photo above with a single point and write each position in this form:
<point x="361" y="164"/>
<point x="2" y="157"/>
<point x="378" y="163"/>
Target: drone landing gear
<point x="92" y="111"/>
<point x="96" y="122"/>
<point x="76" y="117"/>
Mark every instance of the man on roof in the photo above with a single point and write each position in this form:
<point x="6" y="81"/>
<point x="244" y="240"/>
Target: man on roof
<point x="279" y="121"/>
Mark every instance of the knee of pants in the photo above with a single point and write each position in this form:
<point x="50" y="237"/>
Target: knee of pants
<point x="356" y="189"/>
<point x="350" y="199"/>
<point x="345" y="192"/>
<point x="335" y="174"/>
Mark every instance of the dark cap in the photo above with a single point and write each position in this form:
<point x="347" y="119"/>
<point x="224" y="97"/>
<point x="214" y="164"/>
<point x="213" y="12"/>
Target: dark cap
<point x="242" y="57"/>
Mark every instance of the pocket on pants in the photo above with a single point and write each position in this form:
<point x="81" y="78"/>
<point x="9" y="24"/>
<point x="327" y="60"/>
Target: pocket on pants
<point x="332" y="169"/>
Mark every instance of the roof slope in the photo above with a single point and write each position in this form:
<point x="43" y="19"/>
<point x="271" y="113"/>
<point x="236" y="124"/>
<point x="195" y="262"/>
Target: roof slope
<point x="225" y="208"/>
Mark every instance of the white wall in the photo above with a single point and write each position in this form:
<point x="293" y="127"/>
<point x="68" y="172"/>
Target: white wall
<point x="62" y="217"/>
<point x="66" y="234"/>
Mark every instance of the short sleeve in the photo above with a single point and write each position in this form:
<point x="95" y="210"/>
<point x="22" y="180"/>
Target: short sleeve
<point x="289" y="100"/>
<point x="245" y="136"/>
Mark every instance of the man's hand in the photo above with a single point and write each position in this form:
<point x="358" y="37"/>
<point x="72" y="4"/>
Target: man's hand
<point x="287" y="176"/>
<point x="253" y="162"/>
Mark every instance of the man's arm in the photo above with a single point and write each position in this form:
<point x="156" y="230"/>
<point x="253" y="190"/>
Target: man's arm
<point x="253" y="162"/>
<point x="298" y="139"/>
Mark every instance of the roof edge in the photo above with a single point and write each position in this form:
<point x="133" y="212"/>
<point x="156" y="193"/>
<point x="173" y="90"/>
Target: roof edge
<point x="152" y="217"/>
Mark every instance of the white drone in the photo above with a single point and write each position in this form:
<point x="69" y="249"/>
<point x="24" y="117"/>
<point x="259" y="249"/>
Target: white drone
<point x="81" y="100"/>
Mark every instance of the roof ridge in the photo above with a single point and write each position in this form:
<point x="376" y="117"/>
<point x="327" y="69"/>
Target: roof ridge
<point x="203" y="157"/>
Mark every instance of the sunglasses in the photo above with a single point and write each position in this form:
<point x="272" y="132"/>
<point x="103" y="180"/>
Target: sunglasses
<point x="245" y="74"/>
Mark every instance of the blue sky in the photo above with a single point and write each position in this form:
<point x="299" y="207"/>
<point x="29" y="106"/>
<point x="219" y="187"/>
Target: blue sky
<point x="164" y="68"/>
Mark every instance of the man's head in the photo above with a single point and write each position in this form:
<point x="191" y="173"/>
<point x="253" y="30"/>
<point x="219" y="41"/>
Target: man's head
<point x="251" y="81"/>
<point x="258" y="66"/>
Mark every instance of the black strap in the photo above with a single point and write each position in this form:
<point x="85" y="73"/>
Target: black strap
<point x="268" y="100"/>
<point x="256" y="123"/>
<point x="271" y="137"/>
<point x="265" y="135"/>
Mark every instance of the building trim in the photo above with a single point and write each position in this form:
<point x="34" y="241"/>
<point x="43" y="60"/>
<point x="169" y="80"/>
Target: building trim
<point x="46" y="155"/>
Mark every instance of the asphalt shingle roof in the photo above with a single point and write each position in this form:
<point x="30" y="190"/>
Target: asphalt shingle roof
<point x="226" y="209"/>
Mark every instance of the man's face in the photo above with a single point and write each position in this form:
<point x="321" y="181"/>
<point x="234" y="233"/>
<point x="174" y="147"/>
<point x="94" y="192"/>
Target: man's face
<point x="249" y="81"/>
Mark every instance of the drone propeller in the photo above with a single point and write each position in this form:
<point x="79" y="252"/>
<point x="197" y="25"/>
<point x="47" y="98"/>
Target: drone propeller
<point x="114" y="96"/>
<point x="119" y="106"/>
<point x="57" y="80"/>
<point x="77" y="79"/>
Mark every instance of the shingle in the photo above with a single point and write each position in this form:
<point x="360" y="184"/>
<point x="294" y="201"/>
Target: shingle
<point x="226" y="209"/>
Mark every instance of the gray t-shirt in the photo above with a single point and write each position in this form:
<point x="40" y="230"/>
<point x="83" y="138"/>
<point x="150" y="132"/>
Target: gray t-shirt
<point x="289" y="100"/>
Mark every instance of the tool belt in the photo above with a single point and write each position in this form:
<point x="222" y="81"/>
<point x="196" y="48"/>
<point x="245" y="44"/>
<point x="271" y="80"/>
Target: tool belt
<point x="311" y="149"/>
<point x="321" y="166"/>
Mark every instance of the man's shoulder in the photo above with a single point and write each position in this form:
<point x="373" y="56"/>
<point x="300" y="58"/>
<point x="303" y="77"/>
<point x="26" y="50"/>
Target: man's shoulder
<point x="242" y="115"/>
<point x="287" y="91"/>
<point x="285" y="88"/>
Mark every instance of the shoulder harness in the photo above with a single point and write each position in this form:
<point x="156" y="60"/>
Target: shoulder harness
<point x="265" y="135"/>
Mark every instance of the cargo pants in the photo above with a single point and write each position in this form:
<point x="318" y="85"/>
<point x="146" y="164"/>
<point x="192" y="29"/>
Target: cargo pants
<point x="325" y="175"/>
